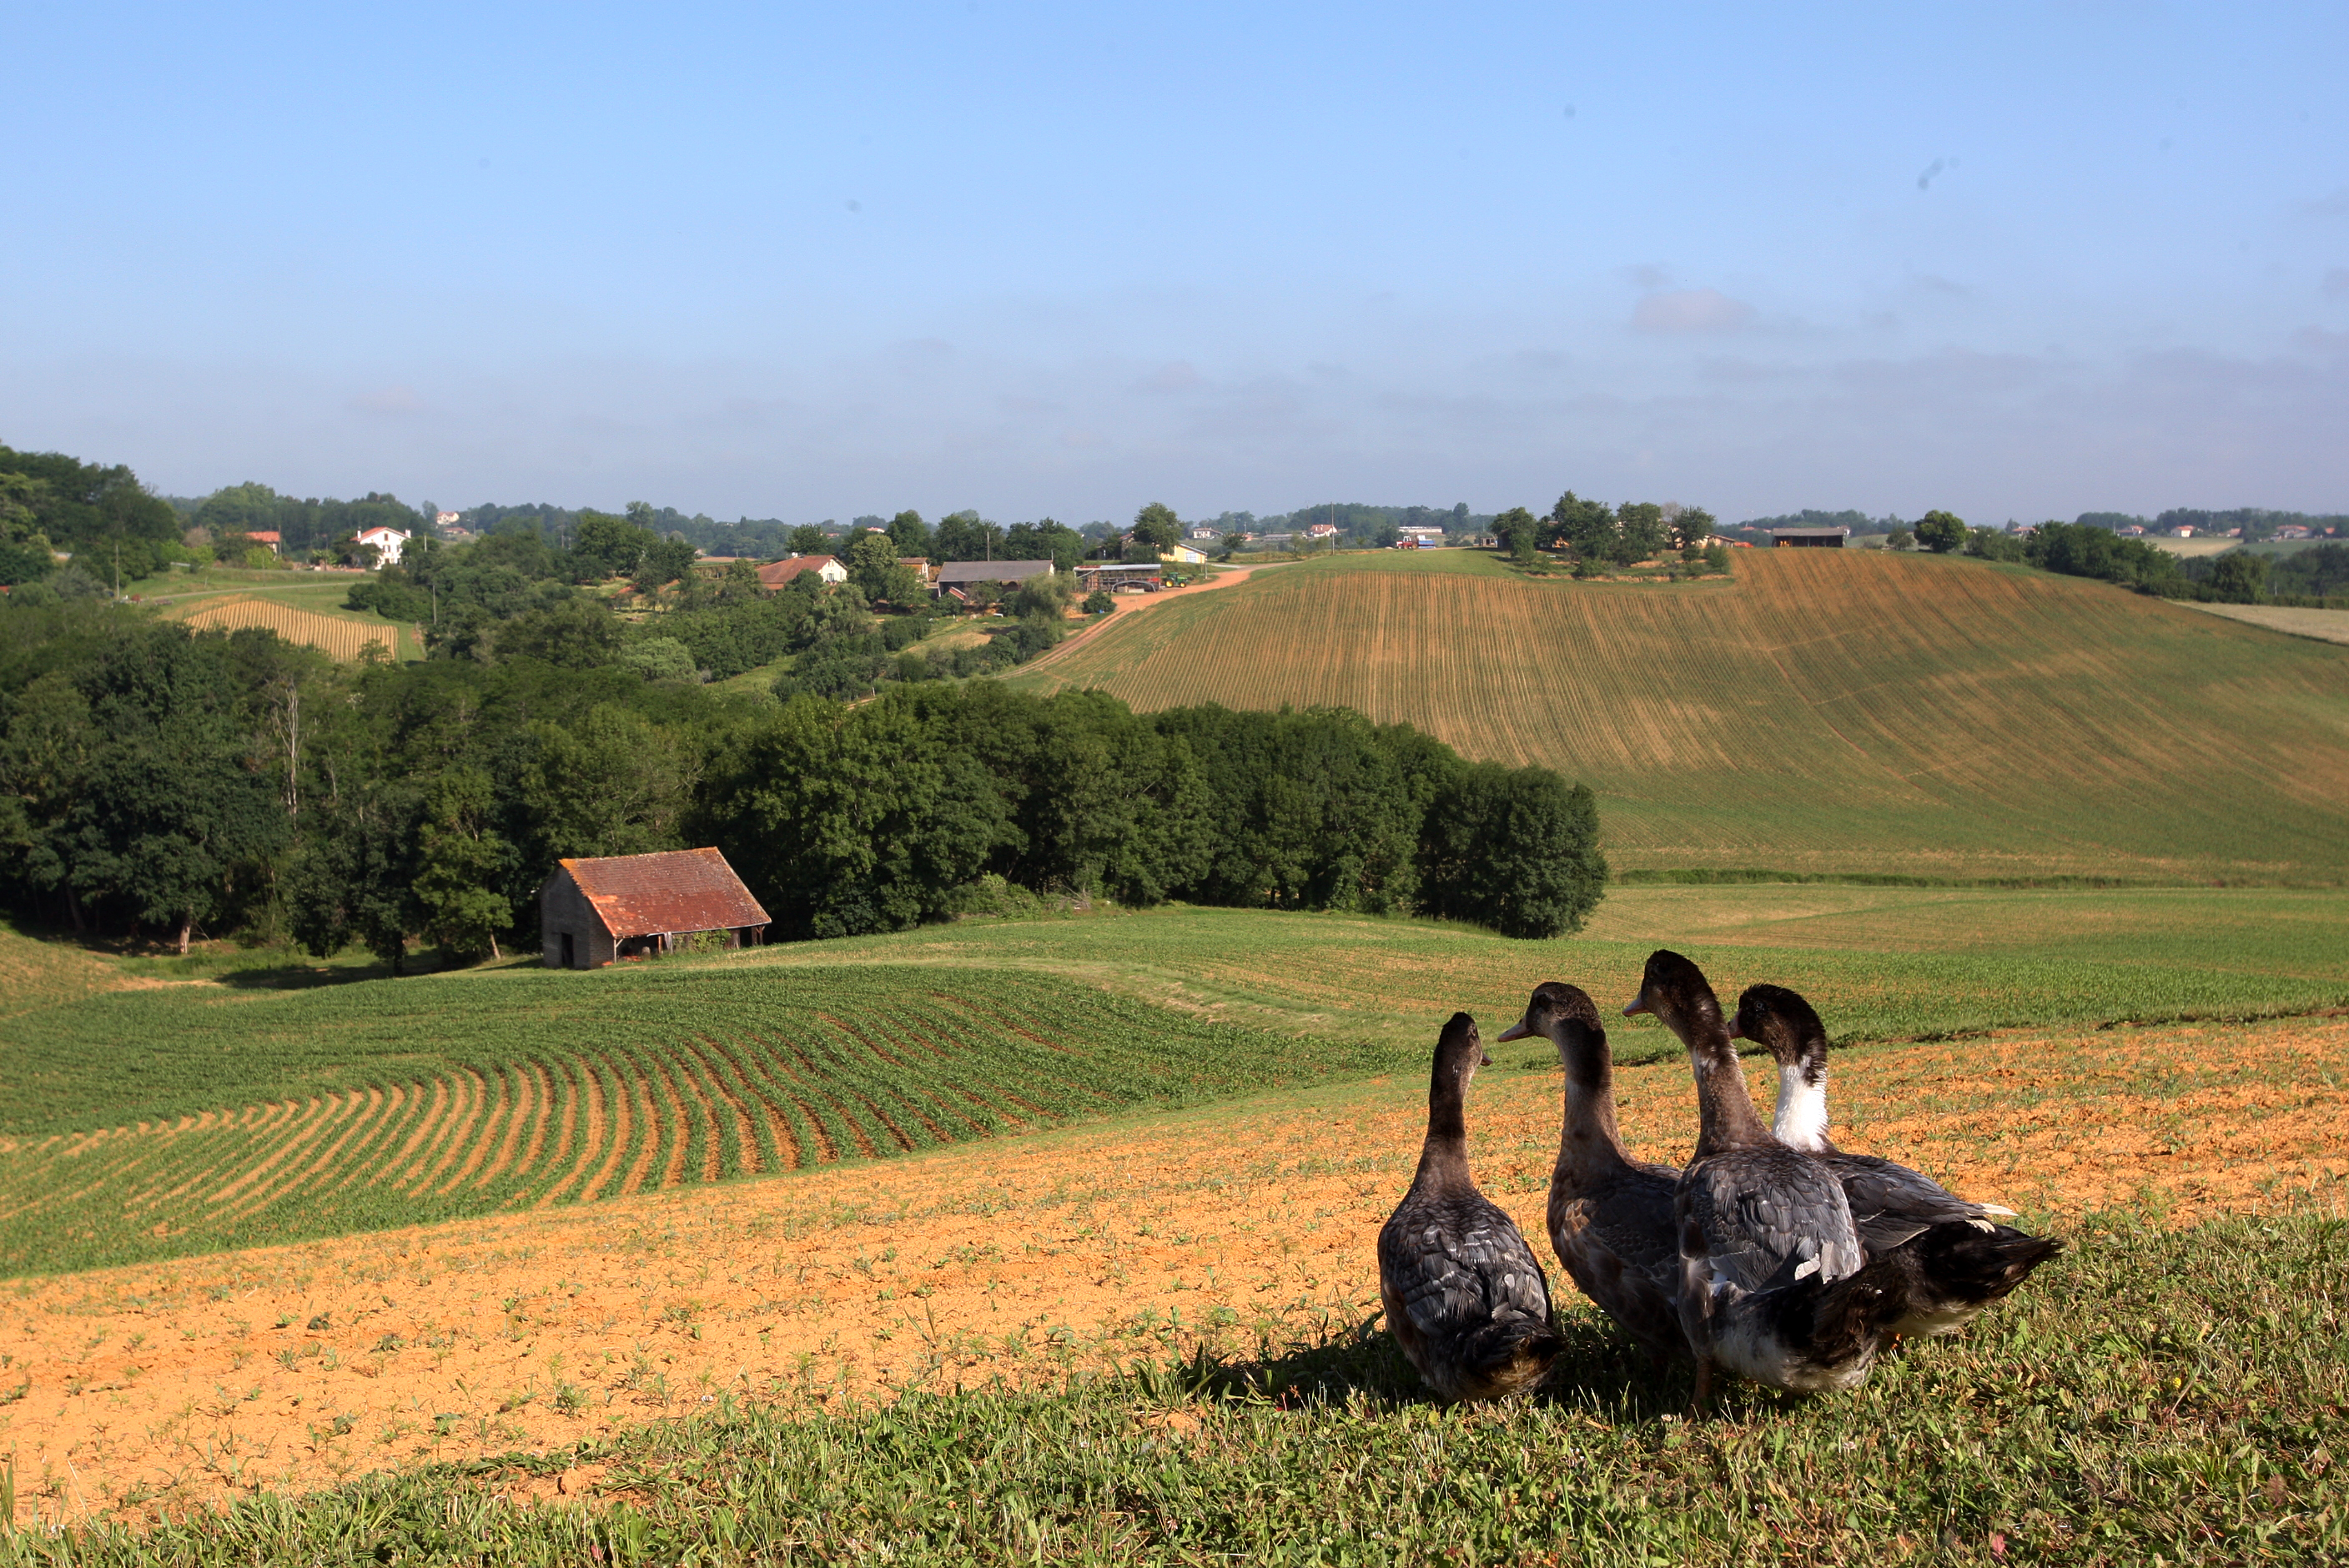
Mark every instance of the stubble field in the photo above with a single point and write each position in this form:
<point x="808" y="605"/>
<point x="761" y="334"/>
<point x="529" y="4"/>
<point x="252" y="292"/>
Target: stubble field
<point x="1823" y="711"/>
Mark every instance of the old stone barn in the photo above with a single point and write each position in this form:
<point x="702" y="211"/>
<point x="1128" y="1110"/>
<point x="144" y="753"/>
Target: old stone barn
<point x="593" y="911"/>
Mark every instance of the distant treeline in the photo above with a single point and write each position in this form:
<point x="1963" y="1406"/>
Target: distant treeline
<point x="158" y="779"/>
<point x="2256" y="522"/>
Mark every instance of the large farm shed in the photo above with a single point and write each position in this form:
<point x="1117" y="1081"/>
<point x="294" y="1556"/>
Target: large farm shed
<point x="591" y="911"/>
<point x="1814" y="538"/>
<point x="959" y="574"/>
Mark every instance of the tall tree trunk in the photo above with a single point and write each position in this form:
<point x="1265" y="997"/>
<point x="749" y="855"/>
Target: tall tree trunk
<point x="187" y="926"/>
<point x="494" y="954"/>
<point x="73" y="907"/>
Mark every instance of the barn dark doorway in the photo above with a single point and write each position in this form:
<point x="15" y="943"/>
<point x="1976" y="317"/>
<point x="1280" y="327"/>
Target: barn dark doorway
<point x="567" y="960"/>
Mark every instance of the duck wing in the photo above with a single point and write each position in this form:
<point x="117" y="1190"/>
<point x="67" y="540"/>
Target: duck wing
<point x="1768" y="1217"/>
<point x="1621" y="1245"/>
<point x="1456" y="1266"/>
<point x="1890" y="1203"/>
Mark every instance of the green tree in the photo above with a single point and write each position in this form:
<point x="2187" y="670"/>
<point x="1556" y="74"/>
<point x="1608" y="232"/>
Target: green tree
<point x="807" y="539"/>
<point x="1519" y="532"/>
<point x="613" y="783"/>
<point x="1585" y="527"/>
<point x="1516" y="849"/>
<point x="1692" y="528"/>
<point x="609" y="546"/>
<point x="660" y="658"/>
<point x="1099" y="603"/>
<point x="873" y="567"/>
<point x="909" y="534"/>
<point x="1640" y="530"/>
<point x="2237" y="578"/>
<point x="462" y="865"/>
<point x="1940" y="532"/>
<point x="353" y="876"/>
<point x="1157" y="526"/>
<point x="961" y="536"/>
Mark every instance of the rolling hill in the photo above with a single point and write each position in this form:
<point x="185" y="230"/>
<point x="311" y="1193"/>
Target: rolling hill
<point x="1822" y="712"/>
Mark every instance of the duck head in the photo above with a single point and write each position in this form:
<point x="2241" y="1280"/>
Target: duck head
<point x="1788" y="1028"/>
<point x="1460" y="1051"/>
<point x="1677" y="993"/>
<point x="1566" y="1017"/>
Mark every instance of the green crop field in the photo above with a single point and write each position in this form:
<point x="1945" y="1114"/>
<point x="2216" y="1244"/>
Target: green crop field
<point x="1881" y="962"/>
<point x="148" y="1117"/>
<point x="169" y="1120"/>
<point x="1824" y="711"/>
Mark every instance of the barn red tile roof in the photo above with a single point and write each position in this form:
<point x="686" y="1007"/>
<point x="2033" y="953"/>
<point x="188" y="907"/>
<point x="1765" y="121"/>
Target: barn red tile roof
<point x="675" y="889"/>
<point x="775" y="574"/>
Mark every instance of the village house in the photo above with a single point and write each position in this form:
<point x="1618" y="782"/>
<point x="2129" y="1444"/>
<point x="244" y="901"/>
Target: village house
<point x="1322" y="530"/>
<point x="776" y="574"/>
<point x="1183" y="555"/>
<point x="2291" y="531"/>
<point x="594" y="912"/>
<point x="2183" y="531"/>
<point x="2134" y="531"/>
<point x="387" y="542"/>
<point x="270" y="537"/>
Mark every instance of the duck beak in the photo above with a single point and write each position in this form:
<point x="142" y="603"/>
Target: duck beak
<point x="1637" y="1005"/>
<point x="1735" y="1032"/>
<point x="1517" y="1031"/>
<point x="1487" y="1062"/>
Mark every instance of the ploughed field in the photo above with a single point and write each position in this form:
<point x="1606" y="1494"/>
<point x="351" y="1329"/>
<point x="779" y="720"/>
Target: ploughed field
<point x="1822" y="711"/>
<point x="2177" y="1379"/>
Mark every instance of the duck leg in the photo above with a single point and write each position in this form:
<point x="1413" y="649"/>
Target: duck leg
<point x="1703" y="1395"/>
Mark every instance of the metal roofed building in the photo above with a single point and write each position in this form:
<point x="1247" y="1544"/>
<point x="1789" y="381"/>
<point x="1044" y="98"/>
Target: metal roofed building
<point x="963" y="573"/>
<point x="1813" y="538"/>
<point x="593" y="912"/>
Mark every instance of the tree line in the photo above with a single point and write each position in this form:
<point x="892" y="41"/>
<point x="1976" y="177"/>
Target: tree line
<point x="2312" y="577"/>
<point x="169" y="782"/>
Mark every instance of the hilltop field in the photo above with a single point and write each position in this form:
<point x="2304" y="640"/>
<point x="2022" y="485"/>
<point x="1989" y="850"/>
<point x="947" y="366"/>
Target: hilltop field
<point x="1822" y="711"/>
<point x="301" y="607"/>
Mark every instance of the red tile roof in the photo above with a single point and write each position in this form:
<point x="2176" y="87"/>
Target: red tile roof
<point x="775" y="574"/>
<point x="676" y="890"/>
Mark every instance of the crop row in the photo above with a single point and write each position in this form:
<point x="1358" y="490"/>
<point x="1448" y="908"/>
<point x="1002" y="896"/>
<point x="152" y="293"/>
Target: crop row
<point x="868" y="1071"/>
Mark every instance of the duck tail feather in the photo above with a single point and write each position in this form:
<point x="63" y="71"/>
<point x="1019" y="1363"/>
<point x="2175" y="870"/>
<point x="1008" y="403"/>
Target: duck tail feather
<point x="1983" y="1265"/>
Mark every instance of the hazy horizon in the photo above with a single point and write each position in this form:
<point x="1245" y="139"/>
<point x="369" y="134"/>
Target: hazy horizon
<point x="1044" y="260"/>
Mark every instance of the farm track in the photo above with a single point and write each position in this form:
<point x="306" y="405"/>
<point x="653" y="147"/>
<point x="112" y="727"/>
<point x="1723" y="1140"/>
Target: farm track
<point x="1972" y="720"/>
<point x="816" y="1086"/>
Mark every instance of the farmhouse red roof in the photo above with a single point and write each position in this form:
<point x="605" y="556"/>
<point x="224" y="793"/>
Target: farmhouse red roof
<point x="675" y="889"/>
<point x="775" y="574"/>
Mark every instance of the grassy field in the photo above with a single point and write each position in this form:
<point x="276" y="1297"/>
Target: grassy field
<point x="1824" y="711"/>
<point x="160" y="1108"/>
<point x="299" y="606"/>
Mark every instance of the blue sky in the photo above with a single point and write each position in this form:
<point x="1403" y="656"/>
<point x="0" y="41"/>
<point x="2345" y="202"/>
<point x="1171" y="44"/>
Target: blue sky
<point x="813" y="261"/>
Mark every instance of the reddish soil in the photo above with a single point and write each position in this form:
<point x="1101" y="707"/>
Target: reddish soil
<point x="173" y="1384"/>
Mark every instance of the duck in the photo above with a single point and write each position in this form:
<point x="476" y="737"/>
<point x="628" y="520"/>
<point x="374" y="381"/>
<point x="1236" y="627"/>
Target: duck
<point x="1958" y="1258"/>
<point x="1465" y="1298"/>
<point x="1775" y="1284"/>
<point x="1610" y="1216"/>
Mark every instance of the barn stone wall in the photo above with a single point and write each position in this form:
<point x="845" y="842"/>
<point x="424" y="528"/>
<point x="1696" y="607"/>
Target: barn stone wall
<point x="562" y="908"/>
